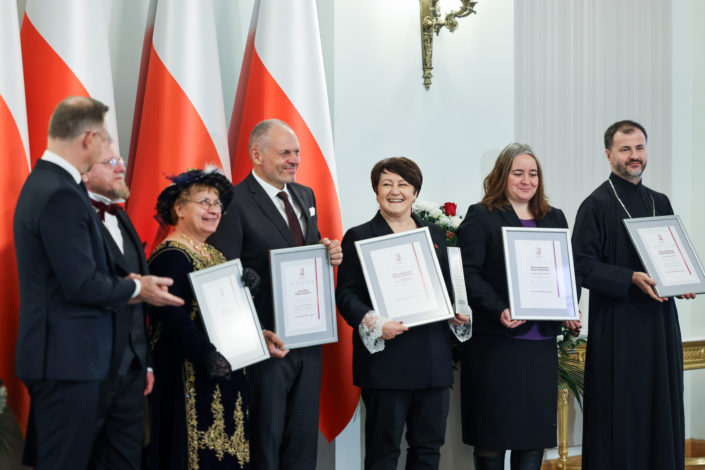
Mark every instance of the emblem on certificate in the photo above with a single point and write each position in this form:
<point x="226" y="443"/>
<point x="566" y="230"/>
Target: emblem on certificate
<point x="667" y="254"/>
<point x="403" y="277"/>
<point x="540" y="274"/>
<point x="303" y="292"/>
<point x="228" y="314"/>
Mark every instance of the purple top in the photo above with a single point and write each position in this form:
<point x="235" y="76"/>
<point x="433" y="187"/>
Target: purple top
<point x="534" y="333"/>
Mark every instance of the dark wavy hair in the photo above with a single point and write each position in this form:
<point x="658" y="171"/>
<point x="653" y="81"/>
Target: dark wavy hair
<point x="495" y="184"/>
<point x="626" y="126"/>
<point x="402" y="166"/>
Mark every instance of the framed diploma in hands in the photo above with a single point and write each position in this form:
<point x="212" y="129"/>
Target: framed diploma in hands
<point x="228" y="314"/>
<point x="540" y="274"/>
<point x="667" y="254"/>
<point x="304" y="296"/>
<point x="403" y="277"/>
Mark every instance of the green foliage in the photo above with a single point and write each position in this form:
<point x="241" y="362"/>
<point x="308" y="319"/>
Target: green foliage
<point x="571" y="371"/>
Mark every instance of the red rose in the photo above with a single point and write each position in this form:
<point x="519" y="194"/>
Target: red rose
<point x="449" y="208"/>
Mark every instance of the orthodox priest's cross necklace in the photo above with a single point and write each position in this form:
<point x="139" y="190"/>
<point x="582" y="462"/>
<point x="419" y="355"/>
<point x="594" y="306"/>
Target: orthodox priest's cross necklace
<point x="653" y="204"/>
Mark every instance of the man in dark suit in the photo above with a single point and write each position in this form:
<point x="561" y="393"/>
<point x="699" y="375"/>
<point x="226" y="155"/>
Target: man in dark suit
<point x="68" y="292"/>
<point x="119" y="442"/>
<point x="269" y="211"/>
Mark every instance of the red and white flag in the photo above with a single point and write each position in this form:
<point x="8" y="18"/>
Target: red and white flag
<point x="65" y="52"/>
<point x="14" y="169"/>
<point x="282" y="77"/>
<point x="144" y="68"/>
<point x="182" y="124"/>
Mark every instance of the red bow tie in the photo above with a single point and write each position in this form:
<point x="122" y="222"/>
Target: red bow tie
<point x="103" y="208"/>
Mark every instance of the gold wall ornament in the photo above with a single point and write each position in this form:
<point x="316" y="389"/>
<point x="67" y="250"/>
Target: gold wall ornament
<point x="693" y="355"/>
<point x="431" y="23"/>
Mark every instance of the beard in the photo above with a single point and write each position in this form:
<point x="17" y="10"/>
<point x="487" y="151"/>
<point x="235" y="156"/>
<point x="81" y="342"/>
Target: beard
<point x="121" y="192"/>
<point x="626" y="172"/>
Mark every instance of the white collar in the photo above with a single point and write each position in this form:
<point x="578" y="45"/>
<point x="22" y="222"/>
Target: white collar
<point x="103" y="199"/>
<point x="51" y="157"/>
<point x="271" y="191"/>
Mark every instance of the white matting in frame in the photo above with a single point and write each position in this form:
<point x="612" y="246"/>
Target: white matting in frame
<point x="303" y="292"/>
<point x="667" y="254"/>
<point x="403" y="277"/>
<point x="540" y="273"/>
<point x="229" y="314"/>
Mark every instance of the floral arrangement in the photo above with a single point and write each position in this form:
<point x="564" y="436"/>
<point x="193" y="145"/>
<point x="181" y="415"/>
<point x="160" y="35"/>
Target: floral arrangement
<point x="444" y="215"/>
<point x="571" y="372"/>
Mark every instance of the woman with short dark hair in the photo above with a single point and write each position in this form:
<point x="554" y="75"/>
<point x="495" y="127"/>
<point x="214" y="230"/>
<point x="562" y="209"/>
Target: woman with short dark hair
<point x="509" y="368"/>
<point x="404" y="373"/>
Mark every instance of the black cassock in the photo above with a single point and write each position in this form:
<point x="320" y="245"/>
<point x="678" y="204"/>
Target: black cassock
<point x="633" y="409"/>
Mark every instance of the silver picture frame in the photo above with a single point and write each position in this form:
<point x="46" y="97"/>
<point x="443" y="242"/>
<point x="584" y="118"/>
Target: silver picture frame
<point x="303" y="293"/>
<point x="229" y="314"/>
<point x="672" y="262"/>
<point x="404" y="278"/>
<point x="540" y="274"/>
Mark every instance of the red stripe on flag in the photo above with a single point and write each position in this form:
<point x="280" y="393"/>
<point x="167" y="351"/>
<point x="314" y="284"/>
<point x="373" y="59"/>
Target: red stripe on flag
<point x="139" y="100"/>
<point x="172" y="138"/>
<point x="13" y="173"/>
<point x="47" y="81"/>
<point x="259" y="97"/>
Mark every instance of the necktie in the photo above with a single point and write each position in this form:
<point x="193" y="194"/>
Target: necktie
<point x="103" y="208"/>
<point x="294" y="225"/>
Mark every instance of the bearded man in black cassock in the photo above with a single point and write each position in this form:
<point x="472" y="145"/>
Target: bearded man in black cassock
<point x="633" y="409"/>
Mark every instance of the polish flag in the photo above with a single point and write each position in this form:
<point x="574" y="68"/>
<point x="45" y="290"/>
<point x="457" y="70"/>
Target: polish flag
<point x="65" y="52"/>
<point x="14" y="169"/>
<point x="144" y="67"/>
<point x="182" y="124"/>
<point x="282" y="77"/>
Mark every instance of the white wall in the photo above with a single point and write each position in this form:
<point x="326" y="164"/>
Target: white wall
<point x="453" y="131"/>
<point x="688" y="71"/>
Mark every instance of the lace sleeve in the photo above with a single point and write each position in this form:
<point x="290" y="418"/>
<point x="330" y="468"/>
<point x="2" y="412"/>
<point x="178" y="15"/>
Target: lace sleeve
<point x="370" y="330"/>
<point x="462" y="332"/>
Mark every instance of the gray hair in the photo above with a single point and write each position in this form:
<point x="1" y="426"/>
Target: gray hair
<point x="261" y="129"/>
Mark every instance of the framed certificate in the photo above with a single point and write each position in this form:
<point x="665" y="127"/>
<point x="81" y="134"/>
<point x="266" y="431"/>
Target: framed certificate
<point x="403" y="277"/>
<point x="228" y="314"/>
<point x="540" y="273"/>
<point x="303" y="292"/>
<point x="667" y="254"/>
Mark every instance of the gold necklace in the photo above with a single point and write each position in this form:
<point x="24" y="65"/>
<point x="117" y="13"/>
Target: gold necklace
<point x="201" y="250"/>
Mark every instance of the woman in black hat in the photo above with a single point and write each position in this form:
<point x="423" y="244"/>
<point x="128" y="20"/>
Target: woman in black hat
<point x="199" y="406"/>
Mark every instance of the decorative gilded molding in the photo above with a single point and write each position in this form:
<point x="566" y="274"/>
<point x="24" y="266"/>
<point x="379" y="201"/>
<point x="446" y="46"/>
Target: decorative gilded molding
<point x="693" y="355"/>
<point x="431" y="23"/>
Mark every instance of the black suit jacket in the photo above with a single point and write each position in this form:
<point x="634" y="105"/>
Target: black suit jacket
<point x="124" y="329"/>
<point x="67" y="291"/>
<point x="416" y="359"/>
<point x="252" y="225"/>
<point x="480" y="242"/>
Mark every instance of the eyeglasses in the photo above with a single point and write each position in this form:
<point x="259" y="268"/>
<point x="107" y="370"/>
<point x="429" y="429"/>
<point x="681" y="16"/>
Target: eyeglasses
<point x="206" y="204"/>
<point x="114" y="162"/>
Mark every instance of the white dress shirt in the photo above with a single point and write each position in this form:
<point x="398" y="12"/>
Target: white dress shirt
<point x="272" y="192"/>
<point x="51" y="157"/>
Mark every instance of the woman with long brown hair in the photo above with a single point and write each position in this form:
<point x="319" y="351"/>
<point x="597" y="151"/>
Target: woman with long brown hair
<point x="509" y="367"/>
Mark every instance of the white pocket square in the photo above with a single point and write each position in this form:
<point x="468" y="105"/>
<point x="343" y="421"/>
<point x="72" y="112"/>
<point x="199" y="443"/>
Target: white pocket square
<point x="312" y="211"/>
